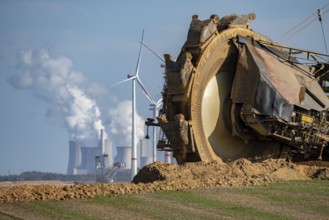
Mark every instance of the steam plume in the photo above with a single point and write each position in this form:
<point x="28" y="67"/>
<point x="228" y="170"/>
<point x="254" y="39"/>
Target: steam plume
<point x="121" y="124"/>
<point x="53" y="80"/>
<point x="70" y="96"/>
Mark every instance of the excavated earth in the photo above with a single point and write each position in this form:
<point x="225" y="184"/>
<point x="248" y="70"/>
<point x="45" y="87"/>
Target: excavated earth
<point x="161" y="176"/>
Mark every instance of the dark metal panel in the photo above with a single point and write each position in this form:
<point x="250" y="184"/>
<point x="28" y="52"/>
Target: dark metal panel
<point x="246" y="78"/>
<point x="280" y="83"/>
<point x="254" y="87"/>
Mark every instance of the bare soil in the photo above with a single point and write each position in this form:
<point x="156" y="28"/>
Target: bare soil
<point x="161" y="176"/>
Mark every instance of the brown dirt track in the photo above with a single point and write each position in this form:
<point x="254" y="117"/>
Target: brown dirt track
<point x="160" y="176"/>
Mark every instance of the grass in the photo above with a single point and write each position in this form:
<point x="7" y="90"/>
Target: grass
<point x="230" y="209"/>
<point x="292" y="200"/>
<point x="116" y="201"/>
<point x="57" y="210"/>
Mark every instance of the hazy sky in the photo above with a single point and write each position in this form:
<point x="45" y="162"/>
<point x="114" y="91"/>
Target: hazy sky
<point x="59" y="60"/>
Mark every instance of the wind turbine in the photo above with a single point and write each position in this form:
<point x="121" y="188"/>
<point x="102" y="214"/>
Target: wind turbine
<point x="135" y="78"/>
<point x="154" y="105"/>
<point x="155" y="108"/>
<point x="156" y="54"/>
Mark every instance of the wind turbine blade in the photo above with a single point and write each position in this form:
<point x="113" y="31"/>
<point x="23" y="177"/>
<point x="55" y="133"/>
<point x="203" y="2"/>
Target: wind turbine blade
<point x="139" y="54"/>
<point x="157" y="55"/>
<point x="159" y="103"/>
<point x="144" y="90"/>
<point x="126" y="80"/>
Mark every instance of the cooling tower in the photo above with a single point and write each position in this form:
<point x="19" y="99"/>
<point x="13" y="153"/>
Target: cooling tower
<point x="124" y="156"/>
<point x="108" y="150"/>
<point x="82" y="159"/>
<point x="88" y="159"/>
<point x="145" y="161"/>
<point x="74" y="157"/>
<point x="105" y="147"/>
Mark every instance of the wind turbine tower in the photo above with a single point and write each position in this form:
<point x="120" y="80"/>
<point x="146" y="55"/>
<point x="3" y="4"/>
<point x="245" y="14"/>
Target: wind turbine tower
<point x="155" y="108"/>
<point x="134" y="79"/>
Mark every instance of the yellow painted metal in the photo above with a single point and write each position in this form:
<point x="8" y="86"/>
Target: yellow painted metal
<point x="307" y="118"/>
<point x="208" y="109"/>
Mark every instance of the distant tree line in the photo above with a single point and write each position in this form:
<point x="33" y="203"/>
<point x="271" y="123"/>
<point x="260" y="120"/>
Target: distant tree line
<point x="36" y="175"/>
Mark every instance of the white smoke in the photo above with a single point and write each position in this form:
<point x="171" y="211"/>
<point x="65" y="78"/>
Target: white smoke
<point x="70" y="96"/>
<point x="121" y="124"/>
<point x="65" y="91"/>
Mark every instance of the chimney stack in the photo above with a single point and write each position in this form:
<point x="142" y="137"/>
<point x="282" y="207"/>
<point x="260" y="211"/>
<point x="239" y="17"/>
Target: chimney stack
<point x="102" y="142"/>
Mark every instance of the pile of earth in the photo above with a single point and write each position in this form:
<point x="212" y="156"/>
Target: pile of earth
<point x="238" y="173"/>
<point x="162" y="176"/>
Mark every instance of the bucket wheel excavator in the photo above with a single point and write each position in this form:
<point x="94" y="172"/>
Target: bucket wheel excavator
<point x="233" y="93"/>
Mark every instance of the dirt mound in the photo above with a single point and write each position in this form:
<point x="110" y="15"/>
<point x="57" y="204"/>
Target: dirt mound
<point x="322" y="174"/>
<point x="238" y="173"/>
<point x="161" y="176"/>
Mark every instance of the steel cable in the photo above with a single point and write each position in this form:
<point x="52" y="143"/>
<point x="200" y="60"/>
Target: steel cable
<point x="300" y="26"/>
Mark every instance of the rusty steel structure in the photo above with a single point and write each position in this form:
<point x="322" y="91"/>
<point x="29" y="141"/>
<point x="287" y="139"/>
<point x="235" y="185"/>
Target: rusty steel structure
<point x="233" y="93"/>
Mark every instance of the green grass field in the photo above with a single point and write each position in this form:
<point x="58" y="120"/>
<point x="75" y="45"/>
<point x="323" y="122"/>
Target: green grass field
<point x="292" y="200"/>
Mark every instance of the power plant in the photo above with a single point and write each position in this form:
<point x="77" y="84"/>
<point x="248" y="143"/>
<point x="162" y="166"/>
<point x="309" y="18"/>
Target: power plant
<point x="99" y="160"/>
<point x="82" y="158"/>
